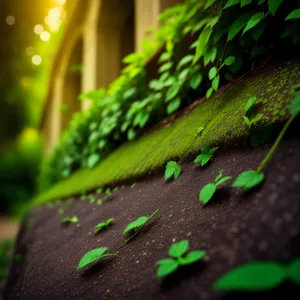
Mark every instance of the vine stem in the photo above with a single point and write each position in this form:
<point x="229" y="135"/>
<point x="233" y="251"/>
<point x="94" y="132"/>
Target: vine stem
<point x="109" y="255"/>
<point x="275" y="145"/>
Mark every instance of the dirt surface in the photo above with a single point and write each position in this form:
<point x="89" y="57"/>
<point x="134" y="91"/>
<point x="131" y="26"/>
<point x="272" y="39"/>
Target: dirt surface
<point x="234" y="228"/>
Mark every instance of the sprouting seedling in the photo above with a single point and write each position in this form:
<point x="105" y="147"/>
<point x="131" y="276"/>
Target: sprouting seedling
<point x="249" y="104"/>
<point x="93" y="256"/>
<point x="92" y="198"/>
<point x="209" y="190"/>
<point x="133" y="185"/>
<point x="206" y="155"/>
<point x="99" y="191"/>
<point x="172" y="169"/>
<point x="137" y="225"/>
<point x="179" y="258"/>
<point x="69" y="220"/>
<point x="99" y="202"/>
<point x="259" y="276"/>
<point x="249" y="122"/>
<point x="60" y="211"/>
<point x="103" y="225"/>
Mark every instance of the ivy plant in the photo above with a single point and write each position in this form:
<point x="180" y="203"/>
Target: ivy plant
<point x="93" y="256"/>
<point x="179" y="257"/>
<point x="69" y="220"/>
<point x="206" y="155"/>
<point x="103" y="225"/>
<point x="137" y="225"/>
<point x="173" y="169"/>
<point x="208" y="191"/>
<point x="259" y="276"/>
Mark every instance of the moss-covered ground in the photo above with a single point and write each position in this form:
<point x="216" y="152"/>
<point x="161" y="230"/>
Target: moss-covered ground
<point x="226" y="125"/>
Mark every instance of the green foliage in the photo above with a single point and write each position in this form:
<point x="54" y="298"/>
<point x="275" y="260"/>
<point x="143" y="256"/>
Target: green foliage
<point x="206" y="155"/>
<point x="93" y="256"/>
<point x="249" y="104"/>
<point x="179" y="258"/>
<point x="210" y="189"/>
<point x="224" y="37"/>
<point x="103" y="225"/>
<point x="295" y="105"/>
<point x="293" y="270"/>
<point x="295" y="14"/>
<point x="248" y="180"/>
<point x="172" y="169"/>
<point x="137" y="225"/>
<point x="69" y="220"/>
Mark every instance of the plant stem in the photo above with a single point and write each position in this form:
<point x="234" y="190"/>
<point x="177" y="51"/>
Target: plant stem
<point x="135" y="233"/>
<point x="153" y="214"/>
<point x="275" y="145"/>
<point x="109" y="255"/>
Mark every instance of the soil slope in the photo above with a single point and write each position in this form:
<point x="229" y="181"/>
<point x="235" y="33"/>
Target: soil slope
<point x="234" y="228"/>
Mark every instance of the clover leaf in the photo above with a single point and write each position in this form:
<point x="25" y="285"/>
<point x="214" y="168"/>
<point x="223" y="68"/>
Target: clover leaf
<point x="248" y="180"/>
<point x="103" y="225"/>
<point x="172" y="169"/>
<point x="94" y="255"/>
<point x="177" y="251"/>
<point x="137" y="225"/>
<point x="206" y="155"/>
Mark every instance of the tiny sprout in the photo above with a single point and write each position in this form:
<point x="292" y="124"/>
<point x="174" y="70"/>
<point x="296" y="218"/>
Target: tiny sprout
<point x="103" y="225"/>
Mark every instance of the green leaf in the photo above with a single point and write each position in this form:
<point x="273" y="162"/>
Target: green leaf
<point x="93" y="160"/>
<point x="173" y="106"/>
<point x="185" y="60"/>
<point x="255" y="19"/>
<point x="203" y="159"/>
<point x="200" y="129"/>
<point x="248" y="180"/>
<point x="295" y="106"/>
<point x="294" y="271"/>
<point x="131" y="134"/>
<point x="103" y="225"/>
<point x="238" y="25"/>
<point x="179" y="249"/>
<point x="209" y="3"/>
<point x="192" y="257"/>
<point x="212" y="22"/>
<point x="209" y="92"/>
<point x="250" y="103"/>
<point x="295" y="14"/>
<point x="212" y="73"/>
<point x="273" y="5"/>
<point x="231" y="3"/>
<point x="172" y="92"/>
<point x="201" y="43"/>
<point x="92" y="256"/>
<point x="177" y="172"/>
<point x="247" y="121"/>
<point x="256" y="276"/>
<point x="245" y="2"/>
<point x="165" y="67"/>
<point x="196" y="80"/>
<point x="207" y="192"/>
<point x="222" y="180"/>
<point x="215" y="83"/>
<point x="141" y="221"/>
<point x="69" y="220"/>
<point x="229" y="61"/>
<point x="170" y="169"/>
<point x="166" y="267"/>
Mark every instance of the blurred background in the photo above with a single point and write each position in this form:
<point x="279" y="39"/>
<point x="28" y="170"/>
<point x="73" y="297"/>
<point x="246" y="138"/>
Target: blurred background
<point x="30" y="31"/>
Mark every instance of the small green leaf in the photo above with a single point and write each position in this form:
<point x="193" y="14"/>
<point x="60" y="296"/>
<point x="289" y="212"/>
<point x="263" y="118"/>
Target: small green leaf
<point x="229" y="61"/>
<point x="209" y="92"/>
<point x="295" y="106"/>
<point x="231" y="3"/>
<point x="192" y="257"/>
<point x="93" y="160"/>
<point x="212" y="73"/>
<point x="165" y="67"/>
<point x="215" y="83"/>
<point x="203" y="159"/>
<point x="256" y="276"/>
<point x="250" y="103"/>
<point x="179" y="249"/>
<point x="248" y="180"/>
<point x="209" y="3"/>
<point x="141" y="221"/>
<point x="173" y="106"/>
<point x="131" y="134"/>
<point x="166" y="266"/>
<point x="200" y="129"/>
<point x="103" y="225"/>
<point x="207" y="193"/>
<point x="245" y="2"/>
<point x="255" y="19"/>
<point x="172" y="92"/>
<point x="185" y="60"/>
<point x="238" y="25"/>
<point x="201" y="43"/>
<point x="172" y="168"/>
<point x="294" y="271"/>
<point x="247" y="121"/>
<point x="177" y="172"/>
<point x="196" y="80"/>
<point x="274" y="5"/>
<point x="222" y="180"/>
<point x="69" y="220"/>
<point x="295" y="14"/>
<point x="60" y="211"/>
<point x="92" y="256"/>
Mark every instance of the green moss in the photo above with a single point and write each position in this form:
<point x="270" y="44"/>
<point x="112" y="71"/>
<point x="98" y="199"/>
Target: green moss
<point x="152" y="151"/>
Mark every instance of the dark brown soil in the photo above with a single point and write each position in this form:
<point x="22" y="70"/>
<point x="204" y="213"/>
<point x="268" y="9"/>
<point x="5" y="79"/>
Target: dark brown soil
<point x="235" y="228"/>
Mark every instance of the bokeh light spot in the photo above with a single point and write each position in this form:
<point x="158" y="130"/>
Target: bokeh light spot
<point x="38" y="29"/>
<point x="10" y="20"/>
<point x="45" y="36"/>
<point x="36" y="60"/>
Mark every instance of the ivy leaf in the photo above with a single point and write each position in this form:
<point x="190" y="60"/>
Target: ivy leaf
<point x="273" y="5"/>
<point x="69" y="220"/>
<point x="172" y="92"/>
<point x="173" y="106"/>
<point x="196" y="80"/>
<point x="192" y="257"/>
<point x="179" y="249"/>
<point x="295" y="106"/>
<point x="212" y="73"/>
<point x="103" y="225"/>
<point x="172" y="168"/>
<point x="231" y="3"/>
<point x="295" y="14"/>
<point x="209" y="3"/>
<point x="207" y="192"/>
<point x="294" y="271"/>
<point x="201" y="43"/>
<point x="248" y="180"/>
<point x="92" y="256"/>
<point x="250" y="103"/>
<point x="166" y="266"/>
<point x="229" y="61"/>
<point x="255" y="19"/>
<point x="93" y="160"/>
<point x="215" y="83"/>
<point x="238" y="25"/>
<point x="256" y="276"/>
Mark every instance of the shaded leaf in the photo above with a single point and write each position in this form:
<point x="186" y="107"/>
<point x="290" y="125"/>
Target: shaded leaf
<point x="254" y="20"/>
<point x="238" y="25"/>
<point x="294" y="271"/>
<point x="295" y="14"/>
<point x="166" y="267"/>
<point x="248" y="180"/>
<point x="173" y="106"/>
<point x="274" y="5"/>
<point x="207" y="192"/>
<point x="250" y="103"/>
<point x="201" y="43"/>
